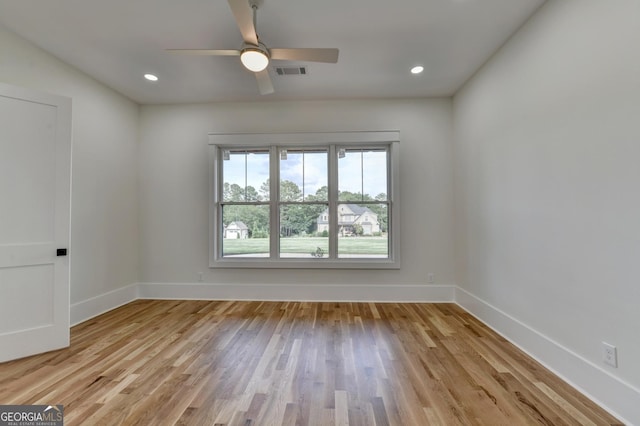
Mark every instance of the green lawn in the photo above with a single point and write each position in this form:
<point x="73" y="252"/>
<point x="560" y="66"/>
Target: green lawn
<point x="306" y="245"/>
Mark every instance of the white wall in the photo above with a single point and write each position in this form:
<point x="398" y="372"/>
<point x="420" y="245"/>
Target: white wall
<point x="104" y="216"/>
<point x="547" y="161"/>
<point x="174" y="186"/>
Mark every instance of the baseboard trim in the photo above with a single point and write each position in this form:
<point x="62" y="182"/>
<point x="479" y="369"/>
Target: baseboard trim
<point x="611" y="393"/>
<point x="87" y="309"/>
<point x="297" y="292"/>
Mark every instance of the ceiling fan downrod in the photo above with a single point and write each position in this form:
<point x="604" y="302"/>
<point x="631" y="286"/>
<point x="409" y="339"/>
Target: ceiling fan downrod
<point x="254" y="6"/>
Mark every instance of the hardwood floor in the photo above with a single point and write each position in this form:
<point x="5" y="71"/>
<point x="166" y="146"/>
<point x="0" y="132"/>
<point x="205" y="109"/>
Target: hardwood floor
<point x="272" y="363"/>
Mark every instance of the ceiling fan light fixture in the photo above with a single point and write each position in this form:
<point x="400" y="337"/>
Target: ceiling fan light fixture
<point x="254" y="58"/>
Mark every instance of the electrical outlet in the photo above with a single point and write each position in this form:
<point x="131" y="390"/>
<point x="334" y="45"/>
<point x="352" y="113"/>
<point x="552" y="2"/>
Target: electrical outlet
<point x="200" y="277"/>
<point x="431" y="278"/>
<point x="610" y="354"/>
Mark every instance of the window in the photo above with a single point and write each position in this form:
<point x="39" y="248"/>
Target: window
<point x="308" y="200"/>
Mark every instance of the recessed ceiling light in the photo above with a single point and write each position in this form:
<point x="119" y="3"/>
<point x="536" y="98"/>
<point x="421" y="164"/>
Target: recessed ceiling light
<point x="417" y="69"/>
<point x="151" y="77"/>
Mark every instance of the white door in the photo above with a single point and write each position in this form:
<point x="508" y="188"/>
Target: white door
<point x="35" y="188"/>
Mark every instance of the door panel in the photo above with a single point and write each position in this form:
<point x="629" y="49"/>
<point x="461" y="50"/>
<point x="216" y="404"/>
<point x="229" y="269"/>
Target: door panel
<point x="30" y="286"/>
<point x="28" y="158"/>
<point x="35" y="188"/>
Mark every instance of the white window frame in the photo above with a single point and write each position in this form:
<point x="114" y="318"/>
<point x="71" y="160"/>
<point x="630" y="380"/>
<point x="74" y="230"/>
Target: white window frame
<point x="221" y="141"/>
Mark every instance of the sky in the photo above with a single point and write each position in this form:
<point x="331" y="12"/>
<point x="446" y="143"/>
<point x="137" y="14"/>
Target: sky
<point x="357" y="171"/>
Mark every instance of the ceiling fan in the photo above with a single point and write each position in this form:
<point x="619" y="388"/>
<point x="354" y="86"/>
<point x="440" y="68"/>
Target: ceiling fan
<point x="254" y="54"/>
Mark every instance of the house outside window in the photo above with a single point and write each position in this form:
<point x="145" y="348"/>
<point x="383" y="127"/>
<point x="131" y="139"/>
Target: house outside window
<point x="236" y="230"/>
<point x="306" y="200"/>
<point x="349" y="216"/>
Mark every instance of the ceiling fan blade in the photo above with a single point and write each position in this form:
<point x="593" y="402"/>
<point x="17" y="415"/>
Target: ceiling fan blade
<point x="206" y="52"/>
<point x="244" y="18"/>
<point x="265" y="86"/>
<point x="308" y="54"/>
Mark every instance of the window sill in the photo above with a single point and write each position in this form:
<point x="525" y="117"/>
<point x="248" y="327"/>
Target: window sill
<point x="305" y="264"/>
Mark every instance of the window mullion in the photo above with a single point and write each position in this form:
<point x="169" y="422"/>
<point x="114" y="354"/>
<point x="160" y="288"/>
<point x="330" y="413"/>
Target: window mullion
<point x="333" y="206"/>
<point x="246" y="155"/>
<point x="362" y="175"/>
<point x="216" y="188"/>
<point x="274" y="204"/>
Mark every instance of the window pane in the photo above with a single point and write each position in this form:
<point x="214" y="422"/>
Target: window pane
<point x="304" y="231"/>
<point x="363" y="231"/>
<point x="245" y="231"/>
<point x="245" y="175"/>
<point x="303" y="175"/>
<point x="362" y="174"/>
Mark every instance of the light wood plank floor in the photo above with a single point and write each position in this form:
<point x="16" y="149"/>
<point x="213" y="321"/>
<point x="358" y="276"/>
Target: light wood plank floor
<point x="272" y="363"/>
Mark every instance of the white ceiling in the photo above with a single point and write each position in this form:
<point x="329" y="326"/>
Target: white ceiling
<point x="117" y="41"/>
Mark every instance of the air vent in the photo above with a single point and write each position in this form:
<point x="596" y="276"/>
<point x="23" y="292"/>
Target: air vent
<point x="291" y="70"/>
